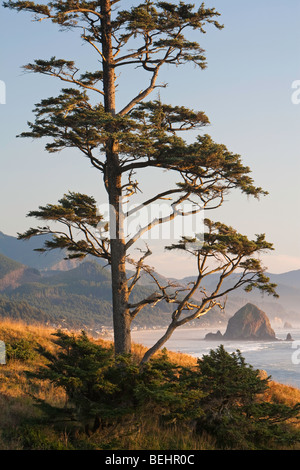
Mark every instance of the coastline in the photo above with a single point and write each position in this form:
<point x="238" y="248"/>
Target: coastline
<point x="280" y="359"/>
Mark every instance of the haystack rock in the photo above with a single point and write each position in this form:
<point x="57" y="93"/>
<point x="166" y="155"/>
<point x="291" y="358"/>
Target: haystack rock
<point x="247" y="324"/>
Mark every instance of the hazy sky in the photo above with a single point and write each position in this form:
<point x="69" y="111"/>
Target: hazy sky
<point x="245" y="91"/>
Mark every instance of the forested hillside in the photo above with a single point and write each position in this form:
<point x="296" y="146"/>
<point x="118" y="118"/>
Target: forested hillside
<point x="78" y="298"/>
<point x="78" y="294"/>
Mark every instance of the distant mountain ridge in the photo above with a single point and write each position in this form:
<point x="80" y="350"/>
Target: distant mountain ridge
<point x="13" y="274"/>
<point x="22" y="251"/>
<point x="7" y="265"/>
<point x="76" y="298"/>
<point x="288" y="289"/>
<point x="80" y="292"/>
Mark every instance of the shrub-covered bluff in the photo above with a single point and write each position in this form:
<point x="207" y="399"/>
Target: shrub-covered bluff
<point x="174" y="402"/>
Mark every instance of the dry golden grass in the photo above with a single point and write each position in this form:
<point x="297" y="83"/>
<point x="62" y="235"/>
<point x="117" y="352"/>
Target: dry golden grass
<point x="14" y="330"/>
<point x="18" y="394"/>
<point x="15" y="388"/>
<point x="138" y="351"/>
<point x="11" y="330"/>
<point x="13" y="380"/>
<point x="285" y="394"/>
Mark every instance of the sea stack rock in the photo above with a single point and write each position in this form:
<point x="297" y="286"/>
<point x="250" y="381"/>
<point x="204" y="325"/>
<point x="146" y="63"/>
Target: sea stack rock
<point x="250" y="324"/>
<point x="214" y="336"/>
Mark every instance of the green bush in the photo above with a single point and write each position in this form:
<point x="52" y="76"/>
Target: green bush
<point x="21" y="349"/>
<point x="222" y="396"/>
<point x="37" y="438"/>
<point x="233" y="408"/>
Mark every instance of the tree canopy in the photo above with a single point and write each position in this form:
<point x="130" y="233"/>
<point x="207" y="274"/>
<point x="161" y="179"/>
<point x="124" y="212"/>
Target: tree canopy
<point x="122" y="141"/>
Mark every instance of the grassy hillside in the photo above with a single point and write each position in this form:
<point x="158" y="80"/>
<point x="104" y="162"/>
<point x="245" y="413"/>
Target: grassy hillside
<point x="23" y="425"/>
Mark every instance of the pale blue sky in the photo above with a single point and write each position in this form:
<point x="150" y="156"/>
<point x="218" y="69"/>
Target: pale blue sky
<point x="245" y="91"/>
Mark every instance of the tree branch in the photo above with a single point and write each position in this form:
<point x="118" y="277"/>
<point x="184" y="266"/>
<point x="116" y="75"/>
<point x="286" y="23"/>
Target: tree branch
<point x="157" y="221"/>
<point x="142" y="94"/>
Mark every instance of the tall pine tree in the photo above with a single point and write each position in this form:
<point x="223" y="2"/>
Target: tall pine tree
<point x="121" y="140"/>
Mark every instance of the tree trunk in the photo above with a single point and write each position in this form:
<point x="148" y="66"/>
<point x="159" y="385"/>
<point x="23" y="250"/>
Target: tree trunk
<point x="159" y="343"/>
<point x="121" y="314"/>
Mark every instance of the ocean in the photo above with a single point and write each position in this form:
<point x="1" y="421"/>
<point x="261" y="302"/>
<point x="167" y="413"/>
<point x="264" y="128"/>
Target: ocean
<point x="280" y="359"/>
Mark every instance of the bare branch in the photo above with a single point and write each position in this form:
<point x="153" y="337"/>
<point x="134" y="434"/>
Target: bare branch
<point x="143" y="93"/>
<point x="87" y="39"/>
<point x="139" y="266"/>
<point x="161" y="195"/>
<point x="158" y="221"/>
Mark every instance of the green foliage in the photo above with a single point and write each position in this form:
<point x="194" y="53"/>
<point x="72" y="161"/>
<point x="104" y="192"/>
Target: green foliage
<point x="232" y="250"/>
<point x="173" y="391"/>
<point x="162" y="22"/>
<point x="228" y="382"/>
<point x="36" y="437"/>
<point x="21" y="310"/>
<point x="232" y="409"/>
<point x="148" y="131"/>
<point x="222" y="395"/>
<point x="101" y="387"/>
<point x="75" y="211"/>
<point x="142" y="135"/>
<point x="94" y="385"/>
<point x="21" y="350"/>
